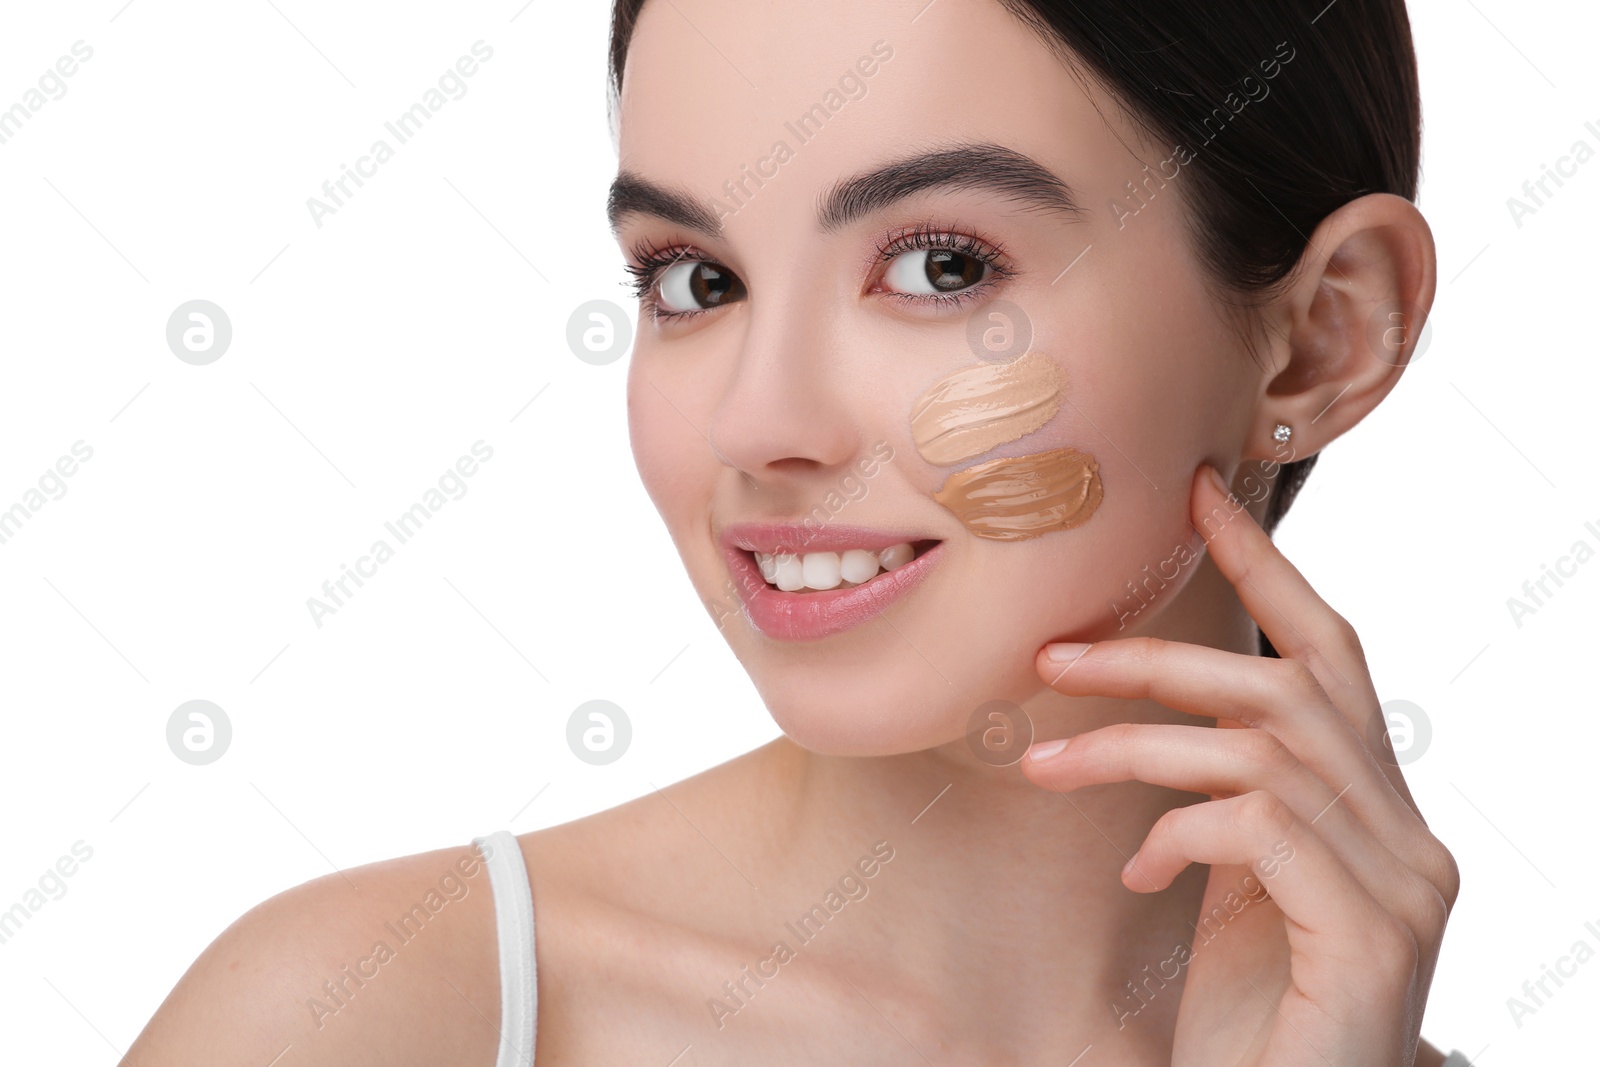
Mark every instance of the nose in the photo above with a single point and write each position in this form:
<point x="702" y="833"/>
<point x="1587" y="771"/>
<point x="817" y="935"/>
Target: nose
<point x="788" y="408"/>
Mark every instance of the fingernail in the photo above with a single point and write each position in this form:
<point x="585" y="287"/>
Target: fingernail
<point x="1045" y="749"/>
<point x="1216" y="479"/>
<point x="1064" y="651"/>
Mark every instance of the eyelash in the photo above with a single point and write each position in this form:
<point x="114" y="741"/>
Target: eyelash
<point x="653" y="260"/>
<point x="647" y="272"/>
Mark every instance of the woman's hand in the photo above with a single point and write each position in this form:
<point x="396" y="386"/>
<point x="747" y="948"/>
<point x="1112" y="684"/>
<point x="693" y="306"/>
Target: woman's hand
<point x="1328" y="896"/>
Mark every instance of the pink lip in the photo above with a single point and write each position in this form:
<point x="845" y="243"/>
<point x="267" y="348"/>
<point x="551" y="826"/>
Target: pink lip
<point x="808" y="616"/>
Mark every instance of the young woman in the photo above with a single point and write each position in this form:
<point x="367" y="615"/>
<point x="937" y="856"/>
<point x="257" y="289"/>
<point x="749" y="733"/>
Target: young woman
<point x="951" y="315"/>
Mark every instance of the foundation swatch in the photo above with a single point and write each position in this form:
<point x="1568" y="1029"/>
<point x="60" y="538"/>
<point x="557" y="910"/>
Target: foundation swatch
<point x="1014" y="498"/>
<point x="971" y="411"/>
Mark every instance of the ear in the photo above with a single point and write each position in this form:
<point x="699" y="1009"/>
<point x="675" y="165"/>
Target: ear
<point x="1346" y="326"/>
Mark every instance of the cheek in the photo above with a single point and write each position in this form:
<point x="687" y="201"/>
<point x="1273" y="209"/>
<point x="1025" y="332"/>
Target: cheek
<point x="1145" y="552"/>
<point x="1021" y="455"/>
<point x="673" y="460"/>
<point x="1014" y="499"/>
<point x="1095" y="582"/>
<point x="978" y="408"/>
<point x="644" y="439"/>
<point x="1172" y="381"/>
<point x="679" y="475"/>
<point x="997" y="430"/>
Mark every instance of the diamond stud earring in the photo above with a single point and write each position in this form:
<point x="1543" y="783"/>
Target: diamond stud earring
<point x="1280" y="433"/>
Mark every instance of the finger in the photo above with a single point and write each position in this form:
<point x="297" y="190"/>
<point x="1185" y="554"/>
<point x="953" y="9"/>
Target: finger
<point x="1281" y="697"/>
<point x="1226" y="763"/>
<point x="1338" y="932"/>
<point x="1298" y="622"/>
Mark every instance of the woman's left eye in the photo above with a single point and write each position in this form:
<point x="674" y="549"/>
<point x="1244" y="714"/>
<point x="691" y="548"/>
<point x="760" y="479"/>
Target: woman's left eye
<point x="931" y="271"/>
<point x="930" y="266"/>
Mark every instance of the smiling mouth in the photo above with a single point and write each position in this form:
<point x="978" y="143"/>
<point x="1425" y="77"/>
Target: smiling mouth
<point x="813" y="572"/>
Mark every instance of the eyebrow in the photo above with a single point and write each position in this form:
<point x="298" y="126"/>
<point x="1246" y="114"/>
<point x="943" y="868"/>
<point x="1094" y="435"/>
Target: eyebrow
<point x="994" y="168"/>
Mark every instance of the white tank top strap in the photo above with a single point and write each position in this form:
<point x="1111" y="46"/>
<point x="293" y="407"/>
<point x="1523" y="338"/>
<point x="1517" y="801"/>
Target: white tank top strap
<point x="513" y="916"/>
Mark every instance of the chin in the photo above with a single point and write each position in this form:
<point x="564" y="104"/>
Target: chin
<point x="872" y="694"/>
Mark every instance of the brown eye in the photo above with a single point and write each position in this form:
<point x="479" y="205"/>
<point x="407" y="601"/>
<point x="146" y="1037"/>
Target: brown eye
<point x="697" y="285"/>
<point x="927" y="271"/>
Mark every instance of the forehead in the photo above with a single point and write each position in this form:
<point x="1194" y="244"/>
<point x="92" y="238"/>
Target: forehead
<point x="712" y="87"/>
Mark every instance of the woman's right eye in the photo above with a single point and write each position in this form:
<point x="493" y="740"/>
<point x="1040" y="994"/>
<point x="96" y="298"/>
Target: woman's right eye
<point x="690" y="286"/>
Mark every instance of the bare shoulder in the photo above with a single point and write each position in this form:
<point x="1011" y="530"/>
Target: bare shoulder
<point x="397" y="962"/>
<point x="389" y="963"/>
<point x="643" y="910"/>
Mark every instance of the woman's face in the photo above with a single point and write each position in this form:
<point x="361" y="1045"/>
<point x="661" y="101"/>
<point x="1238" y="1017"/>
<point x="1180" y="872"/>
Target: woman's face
<point x="787" y="396"/>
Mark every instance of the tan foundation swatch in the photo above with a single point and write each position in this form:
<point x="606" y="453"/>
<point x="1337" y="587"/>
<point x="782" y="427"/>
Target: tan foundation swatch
<point x="971" y="411"/>
<point x="1010" y="499"/>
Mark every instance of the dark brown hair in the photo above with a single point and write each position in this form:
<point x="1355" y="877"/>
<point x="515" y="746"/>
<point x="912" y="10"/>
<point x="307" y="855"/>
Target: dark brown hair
<point x="1343" y="118"/>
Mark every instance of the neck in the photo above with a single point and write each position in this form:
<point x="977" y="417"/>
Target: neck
<point x="1004" y="897"/>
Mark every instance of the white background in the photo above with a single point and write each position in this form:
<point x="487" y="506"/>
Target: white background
<point x="370" y="353"/>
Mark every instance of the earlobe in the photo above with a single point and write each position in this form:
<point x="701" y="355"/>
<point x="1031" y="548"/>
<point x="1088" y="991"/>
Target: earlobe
<point x="1354" y="313"/>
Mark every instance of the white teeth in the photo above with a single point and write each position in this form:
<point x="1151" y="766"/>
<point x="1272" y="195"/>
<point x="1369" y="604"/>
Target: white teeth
<point x="896" y="556"/>
<point x="791" y="572"/>
<point x="820" y="569"/>
<point x="857" y="565"/>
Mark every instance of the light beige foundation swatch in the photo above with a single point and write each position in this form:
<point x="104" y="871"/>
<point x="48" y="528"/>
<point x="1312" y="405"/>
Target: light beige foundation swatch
<point x="971" y="411"/>
<point x="1013" y="498"/>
